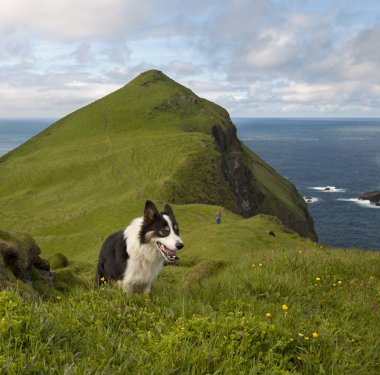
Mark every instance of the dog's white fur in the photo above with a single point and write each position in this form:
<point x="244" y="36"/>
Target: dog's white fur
<point x="145" y="260"/>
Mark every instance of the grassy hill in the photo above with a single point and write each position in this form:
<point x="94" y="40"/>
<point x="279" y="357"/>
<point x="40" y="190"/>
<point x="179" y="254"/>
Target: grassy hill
<point x="90" y="173"/>
<point x="249" y="296"/>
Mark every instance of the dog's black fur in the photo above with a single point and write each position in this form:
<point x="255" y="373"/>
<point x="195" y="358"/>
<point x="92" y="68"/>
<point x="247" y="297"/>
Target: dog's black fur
<point x="112" y="258"/>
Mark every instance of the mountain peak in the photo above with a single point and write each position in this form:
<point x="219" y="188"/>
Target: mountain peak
<point x="150" y="77"/>
<point x="152" y="74"/>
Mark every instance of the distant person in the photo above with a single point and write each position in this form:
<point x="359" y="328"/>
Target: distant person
<point x="218" y="217"/>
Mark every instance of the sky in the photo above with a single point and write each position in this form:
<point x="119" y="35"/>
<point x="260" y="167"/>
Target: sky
<point x="256" y="58"/>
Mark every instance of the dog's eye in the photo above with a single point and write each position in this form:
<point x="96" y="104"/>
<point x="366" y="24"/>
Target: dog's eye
<point x="164" y="232"/>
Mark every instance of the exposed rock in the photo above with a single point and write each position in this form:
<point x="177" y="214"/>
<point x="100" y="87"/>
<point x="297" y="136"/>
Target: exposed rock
<point x="189" y="98"/>
<point x="22" y="268"/>
<point x="20" y="254"/>
<point x="372" y="196"/>
<point x="250" y="199"/>
<point x="237" y="174"/>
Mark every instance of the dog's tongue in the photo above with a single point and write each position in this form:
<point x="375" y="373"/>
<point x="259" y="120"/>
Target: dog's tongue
<point x="169" y="255"/>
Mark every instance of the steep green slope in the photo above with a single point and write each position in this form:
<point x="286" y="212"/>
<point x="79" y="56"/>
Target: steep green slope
<point x="89" y="173"/>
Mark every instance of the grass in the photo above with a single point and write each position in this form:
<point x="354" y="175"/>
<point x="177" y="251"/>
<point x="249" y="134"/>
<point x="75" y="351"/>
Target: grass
<point x="219" y="310"/>
<point x="211" y="316"/>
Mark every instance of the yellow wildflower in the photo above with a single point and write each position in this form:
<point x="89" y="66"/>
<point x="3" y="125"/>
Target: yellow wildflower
<point x="268" y="314"/>
<point x="340" y="282"/>
<point x="300" y="334"/>
<point x="315" y="334"/>
<point x="306" y="338"/>
<point x="285" y="307"/>
<point x="318" y="279"/>
<point x="102" y="279"/>
<point x="260" y="264"/>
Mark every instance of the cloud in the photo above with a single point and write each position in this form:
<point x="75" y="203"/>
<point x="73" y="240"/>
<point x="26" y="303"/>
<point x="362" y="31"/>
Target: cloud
<point x="75" y="19"/>
<point x="274" y="50"/>
<point x="100" y="20"/>
<point x="182" y="68"/>
<point x="44" y="101"/>
<point x="301" y="92"/>
<point x="251" y="56"/>
<point x="84" y="53"/>
<point x="118" y="53"/>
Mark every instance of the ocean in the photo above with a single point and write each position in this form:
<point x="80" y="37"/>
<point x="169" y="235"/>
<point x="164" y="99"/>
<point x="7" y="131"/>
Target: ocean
<point x="343" y="154"/>
<point x="14" y="132"/>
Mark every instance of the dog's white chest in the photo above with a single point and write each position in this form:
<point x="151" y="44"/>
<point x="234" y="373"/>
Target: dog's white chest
<point x="143" y="265"/>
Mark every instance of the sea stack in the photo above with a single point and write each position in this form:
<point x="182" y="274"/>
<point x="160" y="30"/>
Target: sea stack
<point x="372" y="196"/>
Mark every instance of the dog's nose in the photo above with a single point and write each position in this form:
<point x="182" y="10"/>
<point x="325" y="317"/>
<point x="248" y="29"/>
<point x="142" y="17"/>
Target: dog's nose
<point x="179" y="245"/>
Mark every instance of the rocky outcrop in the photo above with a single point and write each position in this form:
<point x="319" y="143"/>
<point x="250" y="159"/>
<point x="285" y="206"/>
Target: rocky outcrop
<point x="372" y="196"/>
<point x="22" y="268"/>
<point x="20" y="258"/>
<point x="249" y="194"/>
<point x="237" y="174"/>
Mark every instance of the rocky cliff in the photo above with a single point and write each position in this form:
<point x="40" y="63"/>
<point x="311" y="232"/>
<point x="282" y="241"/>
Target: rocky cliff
<point x="252" y="196"/>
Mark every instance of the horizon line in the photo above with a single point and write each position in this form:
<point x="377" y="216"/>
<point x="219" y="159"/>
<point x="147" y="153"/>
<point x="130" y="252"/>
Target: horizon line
<point x="46" y="118"/>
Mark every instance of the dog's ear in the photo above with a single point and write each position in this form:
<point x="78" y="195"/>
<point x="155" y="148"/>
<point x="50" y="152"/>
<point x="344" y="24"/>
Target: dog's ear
<point x="150" y="211"/>
<point x="168" y="211"/>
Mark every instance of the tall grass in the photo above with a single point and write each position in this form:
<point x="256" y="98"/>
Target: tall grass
<point x="265" y="309"/>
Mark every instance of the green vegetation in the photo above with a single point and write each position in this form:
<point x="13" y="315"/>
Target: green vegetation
<point x="249" y="296"/>
<point x="90" y="173"/>
<point x="58" y="260"/>
<point x="239" y="301"/>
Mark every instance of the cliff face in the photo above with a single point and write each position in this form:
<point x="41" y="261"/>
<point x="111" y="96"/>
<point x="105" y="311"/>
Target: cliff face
<point x="91" y="171"/>
<point x="250" y="194"/>
<point x="238" y="175"/>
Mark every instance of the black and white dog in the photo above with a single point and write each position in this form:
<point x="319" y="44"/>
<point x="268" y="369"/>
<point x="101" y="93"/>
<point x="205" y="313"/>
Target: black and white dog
<point x="134" y="256"/>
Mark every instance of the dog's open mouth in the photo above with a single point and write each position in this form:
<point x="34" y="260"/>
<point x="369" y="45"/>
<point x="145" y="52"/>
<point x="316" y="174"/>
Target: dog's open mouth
<point x="168" y="254"/>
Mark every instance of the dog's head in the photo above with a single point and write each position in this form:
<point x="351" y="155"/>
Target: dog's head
<point x="161" y="229"/>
